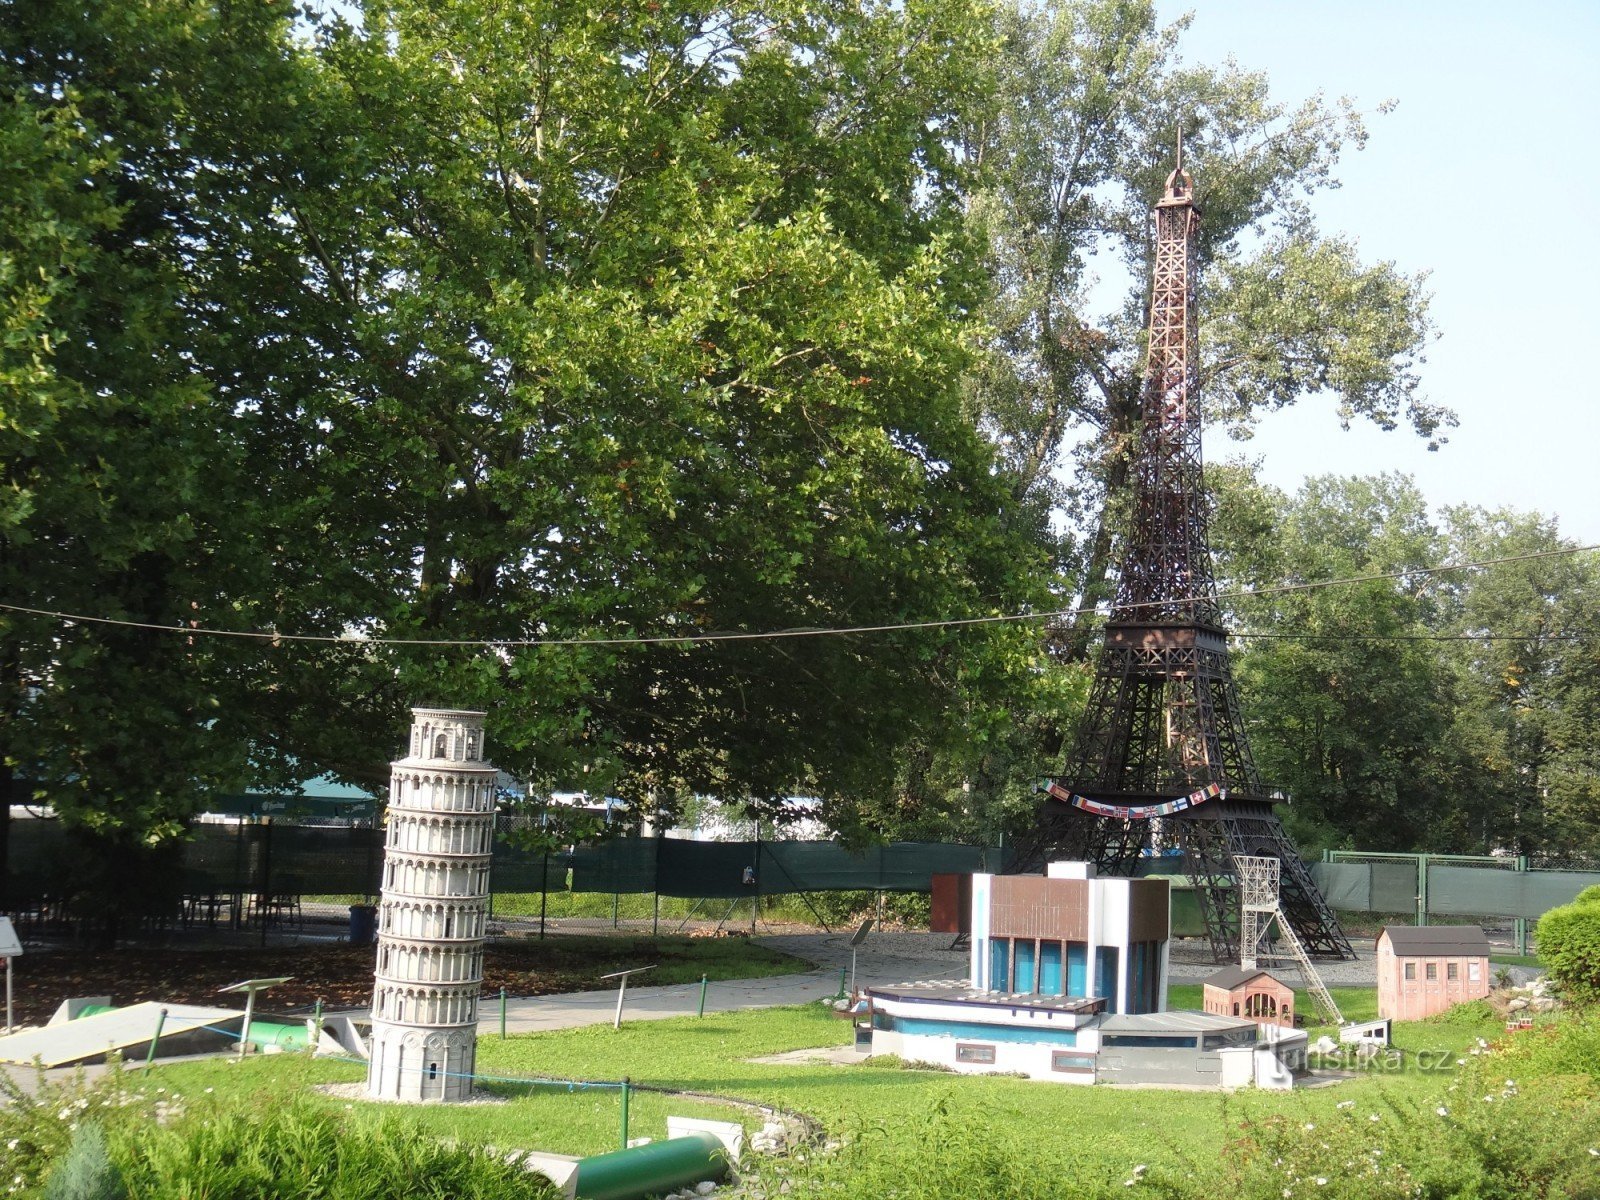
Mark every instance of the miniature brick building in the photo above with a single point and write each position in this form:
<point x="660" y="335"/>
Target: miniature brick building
<point x="1426" y="969"/>
<point x="1250" y="992"/>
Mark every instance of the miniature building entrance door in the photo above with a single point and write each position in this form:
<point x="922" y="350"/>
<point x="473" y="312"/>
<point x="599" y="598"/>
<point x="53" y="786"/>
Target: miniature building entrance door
<point x="1260" y="1006"/>
<point x="1000" y="964"/>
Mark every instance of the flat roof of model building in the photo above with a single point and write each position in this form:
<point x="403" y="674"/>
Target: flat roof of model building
<point x="1069" y="1004"/>
<point x="1177" y="1021"/>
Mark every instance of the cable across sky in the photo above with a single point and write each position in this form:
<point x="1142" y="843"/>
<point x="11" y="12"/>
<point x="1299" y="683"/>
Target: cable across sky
<point x="275" y="637"/>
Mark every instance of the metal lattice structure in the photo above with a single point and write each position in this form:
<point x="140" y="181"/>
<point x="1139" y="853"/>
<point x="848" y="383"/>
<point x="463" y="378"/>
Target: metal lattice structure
<point x="1162" y="756"/>
<point x="1259" y="911"/>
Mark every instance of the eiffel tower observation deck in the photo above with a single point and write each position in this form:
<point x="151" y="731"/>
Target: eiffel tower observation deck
<point x="1161" y="760"/>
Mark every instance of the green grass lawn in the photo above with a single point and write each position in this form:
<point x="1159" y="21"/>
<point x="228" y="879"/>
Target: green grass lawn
<point x="1097" y="1134"/>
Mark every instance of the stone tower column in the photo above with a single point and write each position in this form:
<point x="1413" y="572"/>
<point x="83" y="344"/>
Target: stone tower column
<point x="435" y="902"/>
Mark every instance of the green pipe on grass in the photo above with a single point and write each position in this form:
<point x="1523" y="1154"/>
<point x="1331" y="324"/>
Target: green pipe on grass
<point x="650" y="1170"/>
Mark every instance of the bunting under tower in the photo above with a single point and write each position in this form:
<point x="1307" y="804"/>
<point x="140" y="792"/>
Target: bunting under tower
<point x="1161" y="760"/>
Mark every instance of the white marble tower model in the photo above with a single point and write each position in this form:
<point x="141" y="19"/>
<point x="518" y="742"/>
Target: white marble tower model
<point x="431" y="923"/>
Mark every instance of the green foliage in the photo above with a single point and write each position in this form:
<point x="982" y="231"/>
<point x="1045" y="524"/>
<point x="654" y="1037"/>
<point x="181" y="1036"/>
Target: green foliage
<point x="481" y="321"/>
<point x="87" y="1171"/>
<point x="303" y="1149"/>
<point x="1091" y="94"/>
<point x="1379" y="705"/>
<point x="1569" y="945"/>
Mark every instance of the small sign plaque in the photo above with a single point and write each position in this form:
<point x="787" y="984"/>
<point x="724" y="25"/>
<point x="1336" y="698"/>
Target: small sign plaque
<point x="10" y="944"/>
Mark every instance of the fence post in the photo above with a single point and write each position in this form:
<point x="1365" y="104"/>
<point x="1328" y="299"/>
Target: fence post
<point x="161" y="1020"/>
<point x="625" y="1086"/>
<point x="702" y="1011"/>
<point x="1422" y="889"/>
<point x="1520" y="926"/>
<point x="502" y="1014"/>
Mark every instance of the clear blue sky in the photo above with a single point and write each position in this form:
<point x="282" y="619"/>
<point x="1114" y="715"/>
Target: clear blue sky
<point x="1487" y="175"/>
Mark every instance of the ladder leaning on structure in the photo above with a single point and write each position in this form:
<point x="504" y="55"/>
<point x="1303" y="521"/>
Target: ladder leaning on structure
<point x="1260" y="909"/>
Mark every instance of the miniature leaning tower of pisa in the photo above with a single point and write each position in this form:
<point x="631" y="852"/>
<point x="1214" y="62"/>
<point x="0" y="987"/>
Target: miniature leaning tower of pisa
<point x="431" y="923"/>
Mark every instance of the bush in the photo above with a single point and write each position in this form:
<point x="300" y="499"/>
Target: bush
<point x="87" y="1172"/>
<point x="305" y="1150"/>
<point x="1569" y="945"/>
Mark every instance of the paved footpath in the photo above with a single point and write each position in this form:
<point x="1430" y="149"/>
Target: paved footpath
<point x="884" y="959"/>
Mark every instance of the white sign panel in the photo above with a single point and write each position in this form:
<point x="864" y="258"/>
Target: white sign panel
<point x="10" y="945"/>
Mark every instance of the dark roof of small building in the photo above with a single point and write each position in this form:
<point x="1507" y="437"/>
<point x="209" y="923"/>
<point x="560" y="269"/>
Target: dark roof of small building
<point x="1409" y="940"/>
<point x="1232" y="977"/>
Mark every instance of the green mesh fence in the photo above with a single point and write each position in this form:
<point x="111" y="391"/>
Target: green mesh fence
<point x="1470" y="891"/>
<point x="728" y="870"/>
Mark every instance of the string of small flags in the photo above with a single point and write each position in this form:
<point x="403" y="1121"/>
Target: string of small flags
<point x="1138" y="812"/>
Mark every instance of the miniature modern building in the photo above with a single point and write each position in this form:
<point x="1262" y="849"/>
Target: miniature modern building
<point x="1246" y="992"/>
<point x="431" y="921"/>
<point x="1425" y="969"/>
<point x="1069" y="933"/>
<point x="1071" y="975"/>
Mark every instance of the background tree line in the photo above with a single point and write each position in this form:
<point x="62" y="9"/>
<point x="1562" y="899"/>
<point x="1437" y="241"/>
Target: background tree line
<point x="468" y="322"/>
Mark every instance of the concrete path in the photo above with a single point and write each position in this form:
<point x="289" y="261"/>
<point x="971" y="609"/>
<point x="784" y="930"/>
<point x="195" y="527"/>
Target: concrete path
<point x="885" y="959"/>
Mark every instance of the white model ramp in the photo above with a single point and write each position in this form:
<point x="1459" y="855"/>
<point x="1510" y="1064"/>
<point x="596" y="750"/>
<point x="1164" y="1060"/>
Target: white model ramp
<point x="188" y="1029"/>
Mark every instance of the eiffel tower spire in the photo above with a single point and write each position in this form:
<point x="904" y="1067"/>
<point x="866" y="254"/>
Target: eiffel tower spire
<point x="1161" y="755"/>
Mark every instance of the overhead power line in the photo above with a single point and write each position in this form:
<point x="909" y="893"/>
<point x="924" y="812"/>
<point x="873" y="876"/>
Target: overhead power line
<point x="275" y="637"/>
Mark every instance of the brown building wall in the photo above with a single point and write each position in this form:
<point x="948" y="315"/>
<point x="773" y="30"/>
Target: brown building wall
<point x="1033" y="906"/>
<point x="1150" y="903"/>
<point x="951" y="904"/>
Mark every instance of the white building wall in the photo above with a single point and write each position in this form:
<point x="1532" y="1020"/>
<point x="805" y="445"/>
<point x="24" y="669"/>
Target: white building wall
<point x="982" y="895"/>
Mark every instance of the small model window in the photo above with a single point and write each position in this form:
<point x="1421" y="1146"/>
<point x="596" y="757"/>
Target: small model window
<point x="1452" y="971"/>
<point x="1151" y="1041"/>
<point x="1411" y="972"/>
<point x="1076" y="1063"/>
<point x="441" y="746"/>
<point x="971" y="1052"/>
<point x="1433" y="972"/>
<point x="1473" y="971"/>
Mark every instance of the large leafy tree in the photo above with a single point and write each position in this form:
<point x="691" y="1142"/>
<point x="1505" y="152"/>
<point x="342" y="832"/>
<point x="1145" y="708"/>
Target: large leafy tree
<point x="469" y="321"/>
<point x="1403" y="702"/>
<point x="657" y="319"/>
<point x="1349" y="708"/>
<point x="1525" y="667"/>
<point x="132" y="416"/>
<point x="1093" y="96"/>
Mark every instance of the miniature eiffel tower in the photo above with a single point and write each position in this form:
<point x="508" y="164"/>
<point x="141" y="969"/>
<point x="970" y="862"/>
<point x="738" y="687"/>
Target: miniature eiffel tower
<point x="1162" y="746"/>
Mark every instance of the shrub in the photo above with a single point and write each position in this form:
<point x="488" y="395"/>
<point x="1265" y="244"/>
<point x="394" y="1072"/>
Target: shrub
<point x="305" y="1150"/>
<point x="1569" y="944"/>
<point x="86" y="1172"/>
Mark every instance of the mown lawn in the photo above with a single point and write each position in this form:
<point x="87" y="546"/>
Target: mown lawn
<point x="1094" y="1135"/>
